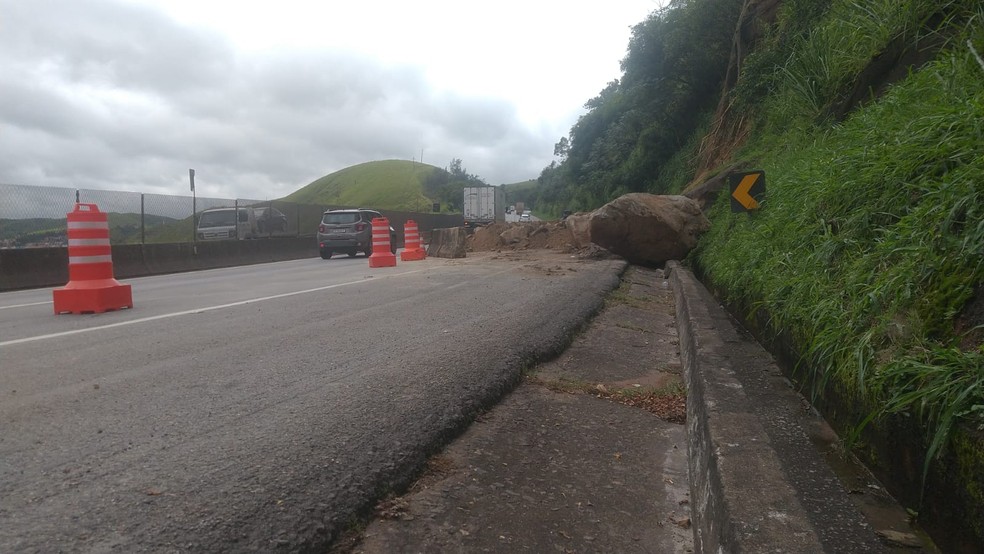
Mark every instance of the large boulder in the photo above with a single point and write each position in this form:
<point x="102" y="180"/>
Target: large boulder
<point x="648" y="229"/>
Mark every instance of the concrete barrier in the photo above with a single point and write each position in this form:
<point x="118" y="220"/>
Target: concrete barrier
<point x="739" y="500"/>
<point x="758" y="482"/>
<point x="24" y="268"/>
<point x="48" y="267"/>
<point x="33" y="267"/>
<point x="447" y="243"/>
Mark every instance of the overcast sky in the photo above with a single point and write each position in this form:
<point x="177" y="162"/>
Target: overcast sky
<point x="261" y="98"/>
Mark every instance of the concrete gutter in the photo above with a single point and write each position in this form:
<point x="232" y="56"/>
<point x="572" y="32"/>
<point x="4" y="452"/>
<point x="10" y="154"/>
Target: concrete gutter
<point x="758" y="483"/>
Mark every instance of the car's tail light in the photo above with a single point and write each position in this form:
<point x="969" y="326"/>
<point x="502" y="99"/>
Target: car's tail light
<point x="321" y="228"/>
<point x="360" y="226"/>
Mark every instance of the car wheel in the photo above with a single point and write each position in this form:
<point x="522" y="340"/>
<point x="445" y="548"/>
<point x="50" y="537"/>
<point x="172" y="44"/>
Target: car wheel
<point x="326" y="254"/>
<point x="393" y="244"/>
<point x="352" y="253"/>
<point x="369" y="250"/>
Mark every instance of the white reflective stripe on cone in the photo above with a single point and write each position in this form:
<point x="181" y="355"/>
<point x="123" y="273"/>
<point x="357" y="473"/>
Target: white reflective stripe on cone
<point x="88" y="242"/>
<point x="88" y="225"/>
<point x="90" y="259"/>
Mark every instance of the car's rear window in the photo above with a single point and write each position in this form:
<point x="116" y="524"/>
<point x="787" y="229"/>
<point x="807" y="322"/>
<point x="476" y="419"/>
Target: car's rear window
<point x="343" y="218"/>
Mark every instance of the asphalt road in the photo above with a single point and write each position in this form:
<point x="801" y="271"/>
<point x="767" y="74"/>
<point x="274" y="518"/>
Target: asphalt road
<point x="260" y="407"/>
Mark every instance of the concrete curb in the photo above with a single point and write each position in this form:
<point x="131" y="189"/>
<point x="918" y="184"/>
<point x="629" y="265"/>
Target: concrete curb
<point x="740" y="498"/>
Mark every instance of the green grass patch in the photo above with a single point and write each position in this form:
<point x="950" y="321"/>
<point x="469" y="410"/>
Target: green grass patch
<point x="871" y="238"/>
<point x="622" y="296"/>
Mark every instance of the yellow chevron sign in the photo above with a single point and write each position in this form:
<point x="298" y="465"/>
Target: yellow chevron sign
<point x="747" y="190"/>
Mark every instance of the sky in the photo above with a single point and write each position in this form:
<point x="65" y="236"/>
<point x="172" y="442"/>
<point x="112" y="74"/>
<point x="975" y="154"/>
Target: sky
<point x="261" y="98"/>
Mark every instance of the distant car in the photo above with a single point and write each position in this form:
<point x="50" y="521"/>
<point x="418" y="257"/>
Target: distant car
<point x="226" y="224"/>
<point x="270" y="220"/>
<point x="349" y="231"/>
<point x="525" y="217"/>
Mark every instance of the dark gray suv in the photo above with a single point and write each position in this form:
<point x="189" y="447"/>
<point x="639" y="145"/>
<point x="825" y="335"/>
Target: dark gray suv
<point x="349" y="231"/>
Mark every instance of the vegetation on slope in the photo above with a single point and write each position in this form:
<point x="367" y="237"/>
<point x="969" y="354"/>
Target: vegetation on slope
<point x="388" y="184"/>
<point x="871" y="240"/>
<point x="523" y="191"/>
<point x="672" y="73"/>
<point x="868" y="252"/>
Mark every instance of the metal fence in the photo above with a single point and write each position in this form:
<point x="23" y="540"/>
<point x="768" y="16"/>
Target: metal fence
<point x="35" y="216"/>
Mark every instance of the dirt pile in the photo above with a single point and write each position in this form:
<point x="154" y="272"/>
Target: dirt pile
<point x="499" y="237"/>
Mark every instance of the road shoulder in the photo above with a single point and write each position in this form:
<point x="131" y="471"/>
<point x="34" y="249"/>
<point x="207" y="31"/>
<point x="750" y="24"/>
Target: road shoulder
<point x="575" y="459"/>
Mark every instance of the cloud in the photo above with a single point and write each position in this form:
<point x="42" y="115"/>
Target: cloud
<point x="99" y="94"/>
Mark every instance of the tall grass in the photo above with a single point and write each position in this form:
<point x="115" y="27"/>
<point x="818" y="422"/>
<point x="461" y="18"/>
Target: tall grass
<point x="821" y="65"/>
<point x="871" y="237"/>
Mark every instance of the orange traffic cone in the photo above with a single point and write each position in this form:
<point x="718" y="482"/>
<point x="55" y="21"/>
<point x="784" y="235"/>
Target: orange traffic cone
<point x="411" y="243"/>
<point x="91" y="287"/>
<point x="381" y="255"/>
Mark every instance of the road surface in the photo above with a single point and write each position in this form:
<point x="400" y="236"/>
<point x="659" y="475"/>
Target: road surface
<point x="260" y="407"/>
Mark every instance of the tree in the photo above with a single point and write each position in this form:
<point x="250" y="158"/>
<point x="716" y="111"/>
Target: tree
<point x="562" y="148"/>
<point x="445" y="185"/>
<point x="672" y="77"/>
<point x="456" y="169"/>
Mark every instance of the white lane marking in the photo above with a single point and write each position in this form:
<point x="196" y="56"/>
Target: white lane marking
<point x="27" y="305"/>
<point x="198" y="310"/>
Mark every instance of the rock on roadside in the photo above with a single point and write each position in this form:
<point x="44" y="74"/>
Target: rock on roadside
<point x="647" y="229"/>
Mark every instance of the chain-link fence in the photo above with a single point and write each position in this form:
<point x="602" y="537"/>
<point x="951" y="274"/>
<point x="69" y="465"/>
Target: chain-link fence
<point x="35" y="216"/>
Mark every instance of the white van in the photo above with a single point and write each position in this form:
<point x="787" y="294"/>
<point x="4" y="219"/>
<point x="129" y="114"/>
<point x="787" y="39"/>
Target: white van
<point x="224" y="224"/>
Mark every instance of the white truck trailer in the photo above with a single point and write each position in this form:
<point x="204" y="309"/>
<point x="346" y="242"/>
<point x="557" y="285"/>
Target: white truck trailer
<point x="484" y="206"/>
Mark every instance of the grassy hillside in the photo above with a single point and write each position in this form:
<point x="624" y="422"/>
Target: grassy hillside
<point x="864" y="266"/>
<point x="385" y="185"/>
<point x="867" y="256"/>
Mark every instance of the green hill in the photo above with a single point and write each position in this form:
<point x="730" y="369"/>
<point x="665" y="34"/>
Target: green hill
<point x="384" y="185"/>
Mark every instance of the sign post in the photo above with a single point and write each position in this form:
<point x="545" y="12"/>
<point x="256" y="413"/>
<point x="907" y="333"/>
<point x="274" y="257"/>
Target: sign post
<point x="191" y="177"/>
